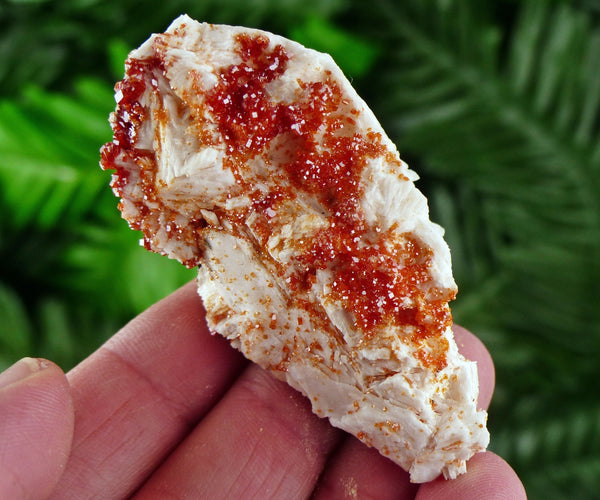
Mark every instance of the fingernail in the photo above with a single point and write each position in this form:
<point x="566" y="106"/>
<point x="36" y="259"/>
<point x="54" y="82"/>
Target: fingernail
<point x="20" y="370"/>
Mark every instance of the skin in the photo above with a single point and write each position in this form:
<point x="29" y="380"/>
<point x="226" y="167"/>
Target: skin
<point x="166" y="410"/>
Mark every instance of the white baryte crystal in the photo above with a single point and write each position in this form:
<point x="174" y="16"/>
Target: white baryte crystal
<point x="238" y="215"/>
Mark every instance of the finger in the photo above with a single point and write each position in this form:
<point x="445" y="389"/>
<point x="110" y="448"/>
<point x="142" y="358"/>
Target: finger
<point x="36" y="428"/>
<point x="472" y="348"/>
<point x="356" y="471"/>
<point x="141" y="393"/>
<point x="261" y="441"/>
<point x="488" y="476"/>
<point x="355" y="468"/>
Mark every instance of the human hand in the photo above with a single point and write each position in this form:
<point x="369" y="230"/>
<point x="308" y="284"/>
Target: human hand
<point x="166" y="410"/>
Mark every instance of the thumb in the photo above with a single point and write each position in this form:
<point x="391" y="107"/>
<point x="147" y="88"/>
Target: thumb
<point x="36" y="428"/>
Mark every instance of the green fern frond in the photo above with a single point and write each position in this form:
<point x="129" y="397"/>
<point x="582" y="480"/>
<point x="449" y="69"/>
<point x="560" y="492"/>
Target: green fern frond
<point x="64" y="231"/>
<point x="49" y="155"/>
<point x="505" y="126"/>
<point x="63" y="236"/>
<point x="513" y="134"/>
<point x="16" y="333"/>
<point x="354" y="55"/>
<point x="558" y="450"/>
<point x="60" y="330"/>
<point x="105" y="264"/>
<point x="69" y="332"/>
<point x="67" y="38"/>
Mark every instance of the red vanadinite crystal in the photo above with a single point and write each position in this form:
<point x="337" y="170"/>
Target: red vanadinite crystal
<point x="380" y="281"/>
<point x="369" y="279"/>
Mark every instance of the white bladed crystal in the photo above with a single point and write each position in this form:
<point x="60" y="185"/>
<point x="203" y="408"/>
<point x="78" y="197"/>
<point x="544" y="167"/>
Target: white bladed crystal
<point x="252" y="157"/>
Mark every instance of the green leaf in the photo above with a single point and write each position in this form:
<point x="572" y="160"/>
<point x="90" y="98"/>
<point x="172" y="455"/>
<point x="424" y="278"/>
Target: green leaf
<point x="58" y="342"/>
<point x="52" y="328"/>
<point x="118" y="51"/>
<point x="354" y="55"/>
<point x="16" y="332"/>
<point x="106" y="264"/>
<point x="68" y="333"/>
<point x="504" y="121"/>
<point x="561" y="448"/>
<point x="49" y="155"/>
<point x="64" y="232"/>
<point x="52" y="43"/>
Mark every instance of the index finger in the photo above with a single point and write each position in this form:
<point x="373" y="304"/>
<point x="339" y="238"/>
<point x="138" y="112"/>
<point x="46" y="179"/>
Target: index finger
<point x="140" y="394"/>
<point x="488" y="476"/>
<point x="472" y="348"/>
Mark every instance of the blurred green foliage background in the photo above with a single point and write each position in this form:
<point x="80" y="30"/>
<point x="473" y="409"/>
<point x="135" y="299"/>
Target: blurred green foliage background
<point x="496" y="104"/>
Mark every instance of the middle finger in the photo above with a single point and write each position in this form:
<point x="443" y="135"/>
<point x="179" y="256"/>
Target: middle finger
<point x="261" y="441"/>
